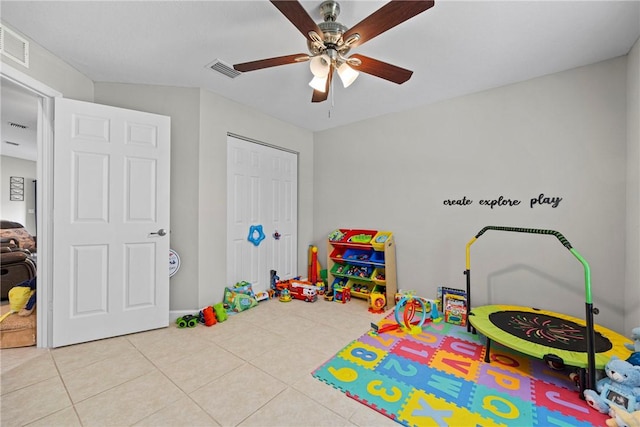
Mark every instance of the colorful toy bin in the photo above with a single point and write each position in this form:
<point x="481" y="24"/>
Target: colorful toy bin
<point x="379" y="240"/>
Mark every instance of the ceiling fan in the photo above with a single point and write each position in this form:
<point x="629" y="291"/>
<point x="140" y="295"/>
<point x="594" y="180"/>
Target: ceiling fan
<point x="329" y="42"/>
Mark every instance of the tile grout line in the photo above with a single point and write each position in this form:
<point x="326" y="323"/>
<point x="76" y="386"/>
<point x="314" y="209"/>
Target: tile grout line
<point x="73" y="405"/>
<point x="187" y="395"/>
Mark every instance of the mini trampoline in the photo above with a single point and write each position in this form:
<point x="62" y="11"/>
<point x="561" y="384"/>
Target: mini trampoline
<point x="556" y="338"/>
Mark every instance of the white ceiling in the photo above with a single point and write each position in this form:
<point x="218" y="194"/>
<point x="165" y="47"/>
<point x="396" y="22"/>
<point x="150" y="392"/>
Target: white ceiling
<point x="18" y="107"/>
<point x="454" y="48"/>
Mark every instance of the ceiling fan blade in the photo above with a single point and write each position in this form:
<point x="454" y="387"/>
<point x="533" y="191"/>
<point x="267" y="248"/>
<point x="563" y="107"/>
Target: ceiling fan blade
<point x="299" y="17"/>
<point x="388" y="16"/>
<point x="271" y="62"/>
<point x="322" y="96"/>
<point x="381" y="69"/>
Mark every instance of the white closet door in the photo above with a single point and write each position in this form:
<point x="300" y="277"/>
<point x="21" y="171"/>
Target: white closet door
<point x="262" y="192"/>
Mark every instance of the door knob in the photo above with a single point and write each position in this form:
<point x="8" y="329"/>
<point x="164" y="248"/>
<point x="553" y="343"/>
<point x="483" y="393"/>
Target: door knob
<point x="161" y="232"/>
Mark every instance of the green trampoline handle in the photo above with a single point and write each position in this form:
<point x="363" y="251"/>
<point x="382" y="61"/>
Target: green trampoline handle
<point x="561" y="238"/>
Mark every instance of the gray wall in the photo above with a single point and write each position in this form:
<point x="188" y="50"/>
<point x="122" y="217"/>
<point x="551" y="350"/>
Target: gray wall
<point x="632" y="289"/>
<point x="200" y="121"/>
<point x="12" y="210"/>
<point x="562" y="135"/>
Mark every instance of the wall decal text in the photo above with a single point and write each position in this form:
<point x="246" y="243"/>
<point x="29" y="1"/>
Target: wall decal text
<point x="501" y="201"/>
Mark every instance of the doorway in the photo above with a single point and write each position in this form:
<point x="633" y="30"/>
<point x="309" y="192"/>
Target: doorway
<point x="44" y="96"/>
<point x="262" y="212"/>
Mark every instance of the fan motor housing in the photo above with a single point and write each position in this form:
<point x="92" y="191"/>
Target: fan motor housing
<point x="331" y="35"/>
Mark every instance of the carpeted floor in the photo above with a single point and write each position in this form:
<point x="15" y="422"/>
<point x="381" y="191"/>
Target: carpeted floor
<point x="438" y="378"/>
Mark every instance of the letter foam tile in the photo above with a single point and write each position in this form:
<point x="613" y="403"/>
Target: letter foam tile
<point x="422" y="409"/>
<point x="502" y="407"/>
<point x="506" y="381"/>
<point x="550" y="397"/>
<point x="439" y="378"/>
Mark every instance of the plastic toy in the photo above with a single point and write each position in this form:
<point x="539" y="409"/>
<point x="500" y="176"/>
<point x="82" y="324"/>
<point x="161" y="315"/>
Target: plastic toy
<point x="285" y="295"/>
<point x="261" y="296"/>
<point x="209" y="316"/>
<point x="341" y="294"/>
<point x="360" y="238"/>
<point x="314" y="266"/>
<point x="303" y="291"/>
<point x="621" y="387"/>
<point x="273" y="281"/>
<point x="336" y="236"/>
<point x="256" y="234"/>
<point x="188" y="321"/>
<point x="377" y="301"/>
<point x="221" y="314"/>
<point x="409" y="305"/>
<point x="622" y="418"/>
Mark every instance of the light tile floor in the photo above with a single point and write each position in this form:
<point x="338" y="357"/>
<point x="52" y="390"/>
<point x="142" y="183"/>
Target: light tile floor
<point x="252" y="370"/>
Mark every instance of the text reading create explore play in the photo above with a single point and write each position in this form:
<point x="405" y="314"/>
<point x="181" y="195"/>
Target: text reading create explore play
<point x="502" y="201"/>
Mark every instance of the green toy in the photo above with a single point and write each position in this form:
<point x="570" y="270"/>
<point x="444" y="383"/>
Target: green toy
<point x="188" y="321"/>
<point x="221" y="314"/>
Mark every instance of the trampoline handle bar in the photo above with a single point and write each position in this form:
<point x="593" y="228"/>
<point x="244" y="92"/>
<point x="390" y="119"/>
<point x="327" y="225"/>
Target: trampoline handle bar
<point x="561" y="238"/>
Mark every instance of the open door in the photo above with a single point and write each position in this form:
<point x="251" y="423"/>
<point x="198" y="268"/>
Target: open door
<point x="111" y="221"/>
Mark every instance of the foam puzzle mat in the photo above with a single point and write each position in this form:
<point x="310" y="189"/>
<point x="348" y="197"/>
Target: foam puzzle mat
<point x="439" y="378"/>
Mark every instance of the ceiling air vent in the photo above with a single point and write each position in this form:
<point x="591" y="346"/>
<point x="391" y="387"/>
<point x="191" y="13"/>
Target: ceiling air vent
<point x="222" y="68"/>
<point x="14" y="46"/>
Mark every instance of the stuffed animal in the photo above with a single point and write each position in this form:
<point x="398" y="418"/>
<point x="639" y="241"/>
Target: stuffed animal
<point x="634" y="359"/>
<point x="635" y="336"/>
<point x="622" y="418"/>
<point x="620" y="387"/>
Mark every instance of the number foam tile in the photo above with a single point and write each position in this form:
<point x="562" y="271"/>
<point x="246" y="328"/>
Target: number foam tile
<point x="338" y="373"/>
<point x="383" y="342"/>
<point x="362" y="354"/>
<point x="380" y="392"/>
<point x="414" y="350"/>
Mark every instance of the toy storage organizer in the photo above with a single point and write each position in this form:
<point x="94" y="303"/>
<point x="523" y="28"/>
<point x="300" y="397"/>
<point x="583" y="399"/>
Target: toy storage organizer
<point x="363" y="261"/>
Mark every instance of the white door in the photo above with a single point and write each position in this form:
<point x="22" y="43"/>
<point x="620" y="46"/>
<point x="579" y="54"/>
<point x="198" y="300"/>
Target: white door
<point x="262" y="191"/>
<point x="111" y="221"/>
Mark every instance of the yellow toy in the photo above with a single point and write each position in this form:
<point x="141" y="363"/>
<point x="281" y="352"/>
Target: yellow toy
<point x="377" y="301"/>
<point x="621" y="418"/>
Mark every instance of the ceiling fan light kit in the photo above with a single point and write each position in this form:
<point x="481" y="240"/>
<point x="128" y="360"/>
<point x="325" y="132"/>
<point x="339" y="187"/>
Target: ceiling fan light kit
<point x="320" y="65"/>
<point x="329" y="42"/>
<point x="319" y="83"/>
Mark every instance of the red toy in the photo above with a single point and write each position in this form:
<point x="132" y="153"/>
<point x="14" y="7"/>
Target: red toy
<point x="209" y="316"/>
<point x="303" y="290"/>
